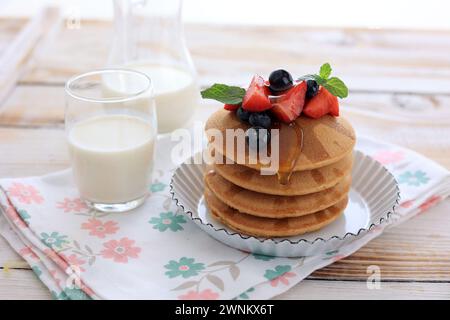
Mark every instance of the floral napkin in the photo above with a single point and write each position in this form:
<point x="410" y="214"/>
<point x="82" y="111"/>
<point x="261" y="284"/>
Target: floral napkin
<point x="156" y="252"/>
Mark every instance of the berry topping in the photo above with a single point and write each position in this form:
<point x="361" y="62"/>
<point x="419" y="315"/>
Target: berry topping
<point x="242" y="114"/>
<point x="311" y="88"/>
<point x="323" y="103"/>
<point x="260" y="120"/>
<point x="231" y="107"/>
<point x="257" y="137"/>
<point x="256" y="98"/>
<point x="280" y="80"/>
<point x="282" y="96"/>
<point x="288" y="106"/>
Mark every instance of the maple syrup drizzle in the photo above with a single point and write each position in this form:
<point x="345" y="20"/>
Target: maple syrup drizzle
<point x="291" y="146"/>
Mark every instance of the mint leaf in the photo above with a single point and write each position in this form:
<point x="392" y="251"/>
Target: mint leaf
<point x="336" y="87"/>
<point x="325" y="71"/>
<point x="320" y="81"/>
<point x="224" y="93"/>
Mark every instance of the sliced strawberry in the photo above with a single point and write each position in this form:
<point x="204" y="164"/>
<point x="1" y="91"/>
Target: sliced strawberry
<point x="288" y="106"/>
<point x="231" y="107"/>
<point x="256" y="98"/>
<point x="323" y="103"/>
<point x="333" y="105"/>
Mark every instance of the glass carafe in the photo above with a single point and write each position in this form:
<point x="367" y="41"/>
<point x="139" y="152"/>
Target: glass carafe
<point x="148" y="37"/>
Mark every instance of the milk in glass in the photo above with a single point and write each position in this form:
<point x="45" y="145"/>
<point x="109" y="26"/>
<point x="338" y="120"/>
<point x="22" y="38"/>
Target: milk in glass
<point x="112" y="157"/>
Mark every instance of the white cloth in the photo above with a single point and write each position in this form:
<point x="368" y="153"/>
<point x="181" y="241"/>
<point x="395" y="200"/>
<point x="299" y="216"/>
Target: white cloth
<point x="155" y="252"/>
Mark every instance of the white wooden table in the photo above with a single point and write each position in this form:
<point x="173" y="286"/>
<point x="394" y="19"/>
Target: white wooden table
<point x="397" y="76"/>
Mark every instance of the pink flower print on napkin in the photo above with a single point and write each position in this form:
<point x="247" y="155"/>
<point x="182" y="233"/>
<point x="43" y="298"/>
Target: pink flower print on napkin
<point x="206" y="294"/>
<point x="87" y="290"/>
<point x="25" y="193"/>
<point x="26" y="251"/>
<point x="60" y="262"/>
<point x="74" y="262"/>
<point x="407" y="204"/>
<point x="431" y="201"/>
<point x="283" y="279"/>
<point x="99" y="229"/>
<point x="54" y="275"/>
<point x="72" y="205"/>
<point x="120" y="250"/>
<point x="388" y="157"/>
<point x="15" y="217"/>
<point x="337" y="258"/>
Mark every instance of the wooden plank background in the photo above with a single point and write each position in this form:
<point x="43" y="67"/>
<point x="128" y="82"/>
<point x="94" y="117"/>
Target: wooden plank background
<point x="400" y="93"/>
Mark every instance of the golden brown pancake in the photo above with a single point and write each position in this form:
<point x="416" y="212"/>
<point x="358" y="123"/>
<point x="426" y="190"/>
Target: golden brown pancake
<point x="273" y="206"/>
<point x="300" y="183"/>
<point x="267" y="227"/>
<point x="325" y="140"/>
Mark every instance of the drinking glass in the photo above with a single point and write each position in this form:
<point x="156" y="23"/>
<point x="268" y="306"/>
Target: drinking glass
<point x="111" y="128"/>
<point x="149" y="37"/>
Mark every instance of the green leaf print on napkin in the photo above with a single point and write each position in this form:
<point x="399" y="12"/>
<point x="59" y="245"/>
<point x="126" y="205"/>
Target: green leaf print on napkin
<point x="278" y="271"/>
<point x="168" y="220"/>
<point x="416" y="178"/>
<point x="186" y="267"/>
<point x="76" y="294"/>
<point x="53" y="240"/>
<point x="37" y="271"/>
<point x="244" y="295"/>
<point x="59" y="296"/>
<point x="262" y="257"/>
<point x="24" y="215"/>
<point x="279" y="275"/>
<point x="157" y="186"/>
<point x="71" y="294"/>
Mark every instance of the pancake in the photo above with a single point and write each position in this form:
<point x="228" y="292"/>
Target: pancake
<point x="325" y="140"/>
<point x="267" y="227"/>
<point x="300" y="183"/>
<point x="273" y="206"/>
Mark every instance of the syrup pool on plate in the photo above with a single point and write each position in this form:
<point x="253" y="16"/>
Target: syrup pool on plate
<point x="175" y="91"/>
<point x="112" y="157"/>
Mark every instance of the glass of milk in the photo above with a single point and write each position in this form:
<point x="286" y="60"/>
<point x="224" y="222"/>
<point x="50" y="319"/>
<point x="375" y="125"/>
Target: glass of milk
<point x="111" y="136"/>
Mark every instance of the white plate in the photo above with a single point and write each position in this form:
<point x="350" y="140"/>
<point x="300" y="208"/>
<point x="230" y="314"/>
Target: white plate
<point x="373" y="197"/>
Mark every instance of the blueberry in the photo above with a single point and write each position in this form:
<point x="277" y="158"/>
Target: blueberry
<point x="242" y="114"/>
<point x="280" y="80"/>
<point x="260" y="119"/>
<point x="311" y="88"/>
<point x="257" y="137"/>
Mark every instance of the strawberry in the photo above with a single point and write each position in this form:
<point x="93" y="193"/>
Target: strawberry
<point x="288" y="106"/>
<point x="231" y="107"/>
<point x="333" y="105"/>
<point x="256" y="98"/>
<point x="323" y="103"/>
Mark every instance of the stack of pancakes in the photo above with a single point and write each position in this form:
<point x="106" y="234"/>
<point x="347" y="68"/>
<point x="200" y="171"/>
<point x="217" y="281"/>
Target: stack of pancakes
<point x="316" y="194"/>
